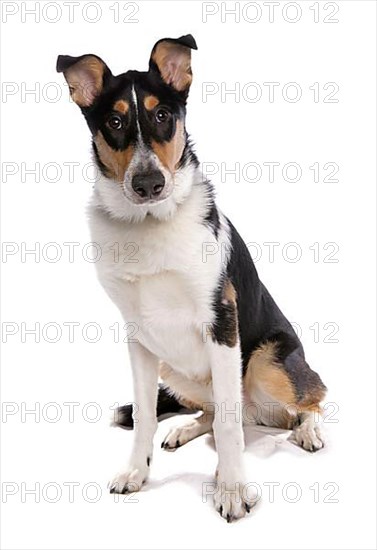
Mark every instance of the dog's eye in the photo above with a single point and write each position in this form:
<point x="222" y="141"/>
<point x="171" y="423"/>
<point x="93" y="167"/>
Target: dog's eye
<point x="161" y="115"/>
<point x="115" y="122"/>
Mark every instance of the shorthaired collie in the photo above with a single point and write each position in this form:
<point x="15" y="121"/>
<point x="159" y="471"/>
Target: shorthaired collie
<point x="206" y="325"/>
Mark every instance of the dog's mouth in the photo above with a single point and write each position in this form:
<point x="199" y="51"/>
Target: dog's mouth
<point x="145" y="202"/>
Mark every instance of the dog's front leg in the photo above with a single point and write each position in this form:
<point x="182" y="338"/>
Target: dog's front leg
<point x="145" y="378"/>
<point x="231" y="498"/>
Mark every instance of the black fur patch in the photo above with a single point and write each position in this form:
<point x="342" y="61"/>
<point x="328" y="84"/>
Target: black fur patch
<point x="225" y="327"/>
<point x="166" y="404"/>
<point x="259" y="318"/>
<point x="212" y="218"/>
<point x="285" y="344"/>
<point x="306" y="382"/>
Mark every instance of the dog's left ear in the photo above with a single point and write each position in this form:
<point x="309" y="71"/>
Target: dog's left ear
<point x="171" y="57"/>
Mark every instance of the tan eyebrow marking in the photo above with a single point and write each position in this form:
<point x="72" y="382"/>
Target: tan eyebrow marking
<point x="150" y="102"/>
<point x="122" y="106"/>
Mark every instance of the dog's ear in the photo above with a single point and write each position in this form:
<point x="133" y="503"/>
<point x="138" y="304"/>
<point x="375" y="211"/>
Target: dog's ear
<point x="85" y="76"/>
<point x="171" y="57"/>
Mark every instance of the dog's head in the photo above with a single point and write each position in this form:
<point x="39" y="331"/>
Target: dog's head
<point x="137" y="119"/>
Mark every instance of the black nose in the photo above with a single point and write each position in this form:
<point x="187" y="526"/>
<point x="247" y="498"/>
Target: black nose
<point x="148" y="185"/>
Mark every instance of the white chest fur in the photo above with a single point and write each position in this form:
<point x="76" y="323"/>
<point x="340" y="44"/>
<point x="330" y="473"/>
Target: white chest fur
<point x="161" y="277"/>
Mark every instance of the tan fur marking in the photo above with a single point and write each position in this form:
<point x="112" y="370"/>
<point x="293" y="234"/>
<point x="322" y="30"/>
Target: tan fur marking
<point x="275" y="382"/>
<point x="230" y="293"/>
<point x="170" y="153"/>
<point x="190" y="404"/>
<point x="311" y="403"/>
<point x="264" y="370"/>
<point x="150" y="102"/>
<point x="115" y="161"/>
<point x="230" y="298"/>
<point x="122" y="106"/>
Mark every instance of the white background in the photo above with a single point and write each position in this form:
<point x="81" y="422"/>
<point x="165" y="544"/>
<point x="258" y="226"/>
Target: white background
<point x="170" y="512"/>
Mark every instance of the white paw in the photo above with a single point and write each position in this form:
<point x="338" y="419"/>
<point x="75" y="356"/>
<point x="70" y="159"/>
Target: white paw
<point x="177" y="437"/>
<point x="130" y="481"/>
<point x="232" y="500"/>
<point x="309" y="437"/>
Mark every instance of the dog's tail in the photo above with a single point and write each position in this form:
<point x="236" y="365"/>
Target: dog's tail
<point x="167" y="405"/>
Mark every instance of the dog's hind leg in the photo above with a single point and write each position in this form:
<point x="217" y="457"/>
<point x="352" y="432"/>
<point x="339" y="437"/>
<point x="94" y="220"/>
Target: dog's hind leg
<point x="284" y="392"/>
<point x="180" y="435"/>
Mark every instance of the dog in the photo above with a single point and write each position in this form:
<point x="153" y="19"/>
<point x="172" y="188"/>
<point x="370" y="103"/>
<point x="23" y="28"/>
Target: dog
<point x="205" y="322"/>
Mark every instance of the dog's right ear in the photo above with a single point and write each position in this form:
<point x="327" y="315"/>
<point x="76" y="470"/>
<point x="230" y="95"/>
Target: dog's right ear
<point x="85" y="76"/>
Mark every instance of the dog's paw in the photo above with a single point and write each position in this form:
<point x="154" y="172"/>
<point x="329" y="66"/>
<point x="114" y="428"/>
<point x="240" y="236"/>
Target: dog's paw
<point x="177" y="437"/>
<point x="232" y="500"/>
<point x="129" y="481"/>
<point x="309" y="437"/>
<point x="180" y="435"/>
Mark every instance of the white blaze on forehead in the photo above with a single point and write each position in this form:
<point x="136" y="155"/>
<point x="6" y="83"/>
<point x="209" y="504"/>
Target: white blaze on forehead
<point x="134" y="99"/>
<point x="143" y="156"/>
